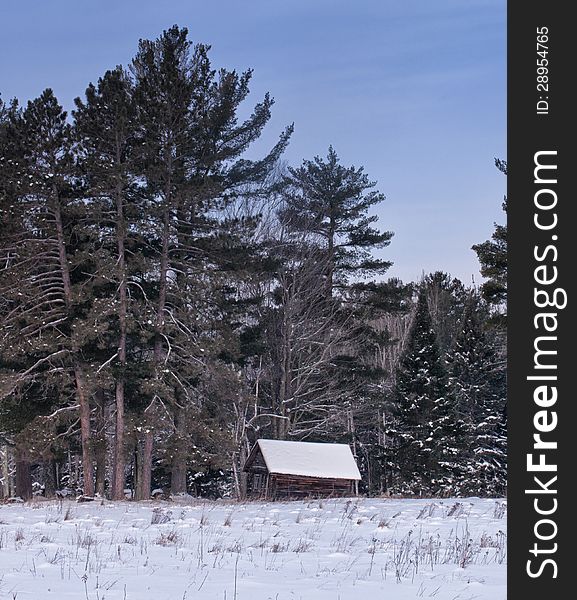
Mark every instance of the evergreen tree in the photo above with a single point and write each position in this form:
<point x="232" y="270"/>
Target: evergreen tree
<point x="329" y="204"/>
<point x="478" y="385"/>
<point x="191" y="155"/>
<point x="422" y="408"/>
<point x="41" y="258"/>
<point x="105" y="130"/>
<point x="446" y="298"/>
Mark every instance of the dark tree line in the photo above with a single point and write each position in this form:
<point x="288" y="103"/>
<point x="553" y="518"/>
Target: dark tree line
<point x="164" y="301"/>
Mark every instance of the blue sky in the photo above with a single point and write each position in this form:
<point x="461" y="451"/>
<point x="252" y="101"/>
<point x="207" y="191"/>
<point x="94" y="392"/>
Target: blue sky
<point x="413" y="90"/>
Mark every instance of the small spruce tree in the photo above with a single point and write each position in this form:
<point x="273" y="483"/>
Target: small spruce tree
<point x="421" y="402"/>
<point x="478" y="385"/>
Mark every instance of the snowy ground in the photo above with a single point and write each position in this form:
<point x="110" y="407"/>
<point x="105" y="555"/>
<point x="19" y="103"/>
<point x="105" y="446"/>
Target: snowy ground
<point x="318" y="550"/>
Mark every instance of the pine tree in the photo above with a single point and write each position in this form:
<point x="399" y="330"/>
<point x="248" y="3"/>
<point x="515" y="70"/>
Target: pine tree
<point x="329" y="204"/>
<point x="323" y="378"/>
<point x="192" y="158"/>
<point x="42" y="256"/>
<point x="105" y="130"/>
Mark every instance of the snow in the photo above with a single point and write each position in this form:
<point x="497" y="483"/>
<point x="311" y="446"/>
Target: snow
<point x="307" y="550"/>
<point x="309" y="459"/>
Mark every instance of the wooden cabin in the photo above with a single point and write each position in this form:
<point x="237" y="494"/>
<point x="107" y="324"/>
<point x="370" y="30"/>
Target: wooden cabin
<point x="281" y="469"/>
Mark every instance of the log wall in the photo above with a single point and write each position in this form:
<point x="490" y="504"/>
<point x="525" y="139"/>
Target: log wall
<point x="294" y="486"/>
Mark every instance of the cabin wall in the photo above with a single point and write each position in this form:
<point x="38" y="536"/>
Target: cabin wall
<point x="263" y="485"/>
<point x="294" y="486"/>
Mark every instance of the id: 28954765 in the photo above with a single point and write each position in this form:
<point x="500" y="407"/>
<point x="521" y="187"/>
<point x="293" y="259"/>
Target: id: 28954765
<point x="542" y="73"/>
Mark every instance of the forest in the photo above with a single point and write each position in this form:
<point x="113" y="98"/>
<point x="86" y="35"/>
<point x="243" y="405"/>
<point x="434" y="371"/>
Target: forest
<point x="165" y="301"/>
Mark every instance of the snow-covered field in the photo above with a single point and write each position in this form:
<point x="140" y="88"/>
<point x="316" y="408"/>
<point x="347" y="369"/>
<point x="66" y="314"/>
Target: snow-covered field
<point x="342" y="549"/>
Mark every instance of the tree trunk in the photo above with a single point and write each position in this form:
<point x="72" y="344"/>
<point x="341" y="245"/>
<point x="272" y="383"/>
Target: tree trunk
<point x="352" y="431"/>
<point x="147" y="464"/>
<point x="6" y="472"/>
<point x="242" y="476"/>
<point x="282" y="425"/>
<point x="101" y="472"/>
<point x="179" y="462"/>
<point x="135" y="470"/>
<point x="331" y="257"/>
<point x="49" y="472"/>
<point x="87" y="465"/>
<point x="162" y="280"/>
<point x="178" y="475"/>
<point x="178" y="480"/>
<point x="23" y="475"/>
<point x="83" y="400"/>
<point x="119" y="459"/>
<point x="100" y="445"/>
<point x="144" y="487"/>
<point x="77" y="470"/>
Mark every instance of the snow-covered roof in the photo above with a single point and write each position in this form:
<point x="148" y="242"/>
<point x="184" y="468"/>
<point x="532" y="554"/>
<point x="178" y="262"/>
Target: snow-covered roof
<point x="309" y="459"/>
